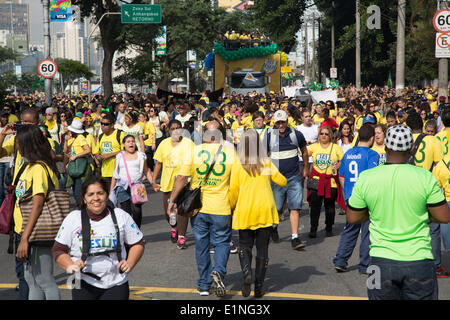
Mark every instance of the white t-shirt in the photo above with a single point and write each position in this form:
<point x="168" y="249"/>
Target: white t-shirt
<point x="310" y="133"/>
<point x="135" y="168"/>
<point x="103" y="238"/>
<point x="182" y="119"/>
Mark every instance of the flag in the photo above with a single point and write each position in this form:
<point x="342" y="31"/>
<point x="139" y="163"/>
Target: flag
<point x="389" y="82"/>
<point x="249" y="77"/>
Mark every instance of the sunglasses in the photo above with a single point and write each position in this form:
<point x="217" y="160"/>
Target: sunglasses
<point x="105" y="123"/>
<point x="324" y="134"/>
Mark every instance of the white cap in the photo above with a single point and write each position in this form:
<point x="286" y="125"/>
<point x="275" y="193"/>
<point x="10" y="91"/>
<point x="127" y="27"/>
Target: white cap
<point x="76" y="126"/>
<point x="280" y="115"/>
<point x="49" y="110"/>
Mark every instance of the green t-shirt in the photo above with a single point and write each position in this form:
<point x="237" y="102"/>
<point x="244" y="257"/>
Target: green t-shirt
<point x="397" y="196"/>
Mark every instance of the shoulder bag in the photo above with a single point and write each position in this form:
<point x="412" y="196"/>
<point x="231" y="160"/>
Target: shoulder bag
<point x="7" y="208"/>
<point x="56" y="207"/>
<point x="189" y="201"/>
<point x="138" y="190"/>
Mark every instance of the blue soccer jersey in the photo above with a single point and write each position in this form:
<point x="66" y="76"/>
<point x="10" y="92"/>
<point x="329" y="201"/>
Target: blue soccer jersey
<point x="355" y="161"/>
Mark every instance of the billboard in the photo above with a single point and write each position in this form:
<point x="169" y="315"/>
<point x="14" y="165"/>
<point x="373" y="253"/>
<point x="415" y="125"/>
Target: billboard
<point x="235" y="5"/>
<point x="60" y="10"/>
<point x="161" y="43"/>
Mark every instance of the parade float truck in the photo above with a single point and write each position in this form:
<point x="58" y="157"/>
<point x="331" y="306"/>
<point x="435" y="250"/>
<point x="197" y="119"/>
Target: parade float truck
<point x="248" y="69"/>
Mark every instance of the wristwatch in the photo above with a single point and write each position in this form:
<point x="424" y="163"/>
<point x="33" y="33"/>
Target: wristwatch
<point x="170" y="201"/>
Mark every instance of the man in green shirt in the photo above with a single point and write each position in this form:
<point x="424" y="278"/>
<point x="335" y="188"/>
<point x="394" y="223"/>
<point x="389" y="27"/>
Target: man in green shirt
<point x="399" y="199"/>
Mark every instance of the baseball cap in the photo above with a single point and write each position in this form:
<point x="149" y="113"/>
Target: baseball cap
<point x="399" y="138"/>
<point x="49" y="111"/>
<point x="280" y="115"/>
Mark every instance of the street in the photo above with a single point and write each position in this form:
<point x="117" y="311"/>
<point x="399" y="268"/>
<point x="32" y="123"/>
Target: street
<point x="167" y="273"/>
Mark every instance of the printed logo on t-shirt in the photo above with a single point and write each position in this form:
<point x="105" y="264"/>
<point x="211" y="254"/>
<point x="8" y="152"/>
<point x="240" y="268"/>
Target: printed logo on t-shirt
<point x="322" y="161"/>
<point x="107" y="147"/>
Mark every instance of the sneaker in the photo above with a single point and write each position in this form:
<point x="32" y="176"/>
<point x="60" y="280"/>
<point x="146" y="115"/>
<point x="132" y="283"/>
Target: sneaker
<point x="297" y="244"/>
<point x="340" y="269"/>
<point x="441" y="273"/>
<point x="173" y="235"/>
<point x="233" y="248"/>
<point x="312" y="234"/>
<point x="220" y="287"/>
<point x="329" y="233"/>
<point x="181" y="243"/>
<point x="203" y="293"/>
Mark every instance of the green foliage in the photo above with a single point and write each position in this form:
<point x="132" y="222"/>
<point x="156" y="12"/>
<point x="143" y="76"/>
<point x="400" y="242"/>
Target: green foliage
<point x="280" y="20"/>
<point x="71" y="70"/>
<point x="378" y="47"/>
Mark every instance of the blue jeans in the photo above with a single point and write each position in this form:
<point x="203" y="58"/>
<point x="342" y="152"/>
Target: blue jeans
<point x="20" y="271"/>
<point x="77" y="190"/>
<point x="445" y="233"/>
<point x="293" y="191"/>
<point x="214" y="229"/>
<point x="435" y="234"/>
<point x="349" y="237"/>
<point x="3" y="168"/>
<point x="403" y="280"/>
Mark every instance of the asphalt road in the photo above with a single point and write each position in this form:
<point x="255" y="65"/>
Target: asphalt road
<point x="167" y="273"/>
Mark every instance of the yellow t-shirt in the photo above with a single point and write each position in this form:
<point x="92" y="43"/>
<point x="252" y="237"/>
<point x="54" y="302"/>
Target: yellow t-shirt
<point x="109" y="144"/>
<point x="215" y="192"/>
<point x="358" y="122"/>
<point x="252" y="197"/>
<point x="382" y="152"/>
<point x="76" y="145"/>
<point x="35" y="176"/>
<point x="442" y="137"/>
<point x="149" y="132"/>
<point x="12" y="118"/>
<point x="171" y="159"/>
<point x="322" y="160"/>
<point x="317" y="119"/>
<point x="429" y="151"/>
<point x="442" y="173"/>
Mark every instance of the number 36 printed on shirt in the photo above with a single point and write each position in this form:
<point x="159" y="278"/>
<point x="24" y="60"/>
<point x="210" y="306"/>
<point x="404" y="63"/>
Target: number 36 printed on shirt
<point x="219" y="168"/>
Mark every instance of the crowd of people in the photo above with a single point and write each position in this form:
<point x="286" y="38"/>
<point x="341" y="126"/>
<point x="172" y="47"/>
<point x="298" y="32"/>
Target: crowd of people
<point x="252" y="156"/>
<point x="233" y="40"/>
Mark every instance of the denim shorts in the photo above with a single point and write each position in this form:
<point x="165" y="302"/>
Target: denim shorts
<point x="293" y="191"/>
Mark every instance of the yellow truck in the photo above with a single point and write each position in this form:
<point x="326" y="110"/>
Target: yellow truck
<point x="247" y="69"/>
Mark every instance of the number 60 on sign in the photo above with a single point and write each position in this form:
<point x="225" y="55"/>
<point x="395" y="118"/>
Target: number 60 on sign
<point x="47" y="68"/>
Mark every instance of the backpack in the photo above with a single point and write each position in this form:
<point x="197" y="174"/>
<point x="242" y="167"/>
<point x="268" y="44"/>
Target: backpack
<point x="86" y="234"/>
<point x="416" y="147"/>
<point x="119" y="132"/>
<point x="273" y="139"/>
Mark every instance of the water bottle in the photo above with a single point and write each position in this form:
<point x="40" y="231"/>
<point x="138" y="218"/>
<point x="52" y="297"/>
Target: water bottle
<point x="173" y="218"/>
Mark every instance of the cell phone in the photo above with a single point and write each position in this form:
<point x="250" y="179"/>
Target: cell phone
<point x="17" y="126"/>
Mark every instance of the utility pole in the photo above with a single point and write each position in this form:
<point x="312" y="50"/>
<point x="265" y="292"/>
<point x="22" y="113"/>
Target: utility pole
<point x="306" y="52"/>
<point x="48" y="82"/>
<point x="443" y="66"/>
<point x="400" y="68"/>
<point x="358" y="47"/>
<point x="313" y="58"/>
<point x="333" y="61"/>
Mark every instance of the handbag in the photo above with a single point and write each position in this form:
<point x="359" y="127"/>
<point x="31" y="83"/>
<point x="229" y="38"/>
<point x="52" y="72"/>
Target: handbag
<point x="189" y="201"/>
<point x="313" y="184"/>
<point x="76" y="168"/>
<point x="56" y="207"/>
<point x="7" y="208"/>
<point x="138" y="190"/>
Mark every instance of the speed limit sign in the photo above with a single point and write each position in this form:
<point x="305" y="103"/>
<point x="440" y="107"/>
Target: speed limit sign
<point x="441" y="20"/>
<point x="47" y="68"/>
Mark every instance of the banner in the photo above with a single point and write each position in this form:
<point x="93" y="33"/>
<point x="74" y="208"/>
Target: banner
<point x="318" y="96"/>
<point x="60" y="10"/>
<point x="161" y="43"/>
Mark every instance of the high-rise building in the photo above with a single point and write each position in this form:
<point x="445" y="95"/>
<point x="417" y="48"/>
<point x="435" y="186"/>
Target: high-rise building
<point x="15" y="25"/>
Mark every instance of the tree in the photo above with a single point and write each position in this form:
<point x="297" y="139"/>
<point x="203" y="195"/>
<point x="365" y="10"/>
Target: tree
<point x="281" y="20"/>
<point x="71" y="70"/>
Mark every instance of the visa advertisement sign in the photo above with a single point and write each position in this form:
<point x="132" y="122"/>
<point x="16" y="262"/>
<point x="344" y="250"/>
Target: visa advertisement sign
<point x="60" y="10"/>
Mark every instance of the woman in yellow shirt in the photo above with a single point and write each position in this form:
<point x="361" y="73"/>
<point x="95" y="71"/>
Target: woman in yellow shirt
<point x="326" y="157"/>
<point x="378" y="144"/>
<point x="36" y="178"/>
<point x="255" y="211"/>
<point x="75" y="148"/>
